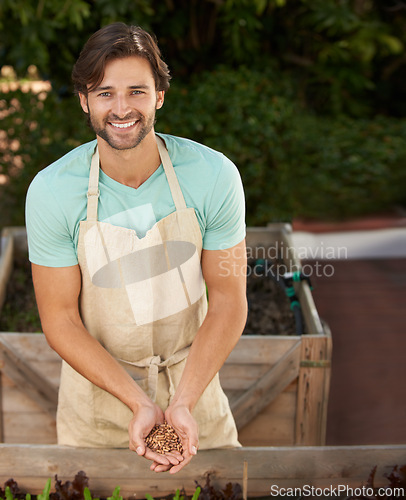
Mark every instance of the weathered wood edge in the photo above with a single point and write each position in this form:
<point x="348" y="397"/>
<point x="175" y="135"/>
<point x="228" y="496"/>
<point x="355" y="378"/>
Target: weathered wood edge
<point x="27" y="379"/>
<point x="6" y="263"/>
<point x="326" y="466"/>
<point x="312" y="394"/>
<point x="266" y="388"/>
<point x="6" y="267"/>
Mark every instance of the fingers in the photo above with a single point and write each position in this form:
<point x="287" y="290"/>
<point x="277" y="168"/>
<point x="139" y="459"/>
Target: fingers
<point x="191" y="445"/>
<point x="176" y="468"/>
<point x="160" y="468"/>
<point x="167" y="459"/>
<point x="140" y="425"/>
<point x="174" y="457"/>
<point x="138" y="446"/>
<point x="187" y="429"/>
<point x="184" y="425"/>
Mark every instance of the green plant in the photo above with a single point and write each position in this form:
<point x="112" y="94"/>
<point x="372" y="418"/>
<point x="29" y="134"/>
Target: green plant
<point x="45" y="493"/>
<point x="87" y="495"/>
<point x="345" y="56"/>
<point x="38" y="128"/>
<point x="116" y="494"/>
<point x="8" y="495"/>
<point x="178" y="495"/>
<point x="196" y="494"/>
<point x="293" y="162"/>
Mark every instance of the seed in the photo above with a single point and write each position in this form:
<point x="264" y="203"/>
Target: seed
<point x="163" y="439"/>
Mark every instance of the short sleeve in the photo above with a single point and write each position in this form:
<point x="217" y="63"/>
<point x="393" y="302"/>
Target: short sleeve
<point x="226" y="217"/>
<point x="49" y="241"/>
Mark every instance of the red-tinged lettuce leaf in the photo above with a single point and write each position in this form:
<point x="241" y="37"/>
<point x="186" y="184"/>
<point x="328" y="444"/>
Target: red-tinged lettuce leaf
<point x="232" y="491"/>
<point x="208" y="492"/>
<point x="70" y="490"/>
<point x="15" y="490"/>
<point x="397" y="477"/>
<point x="371" y="478"/>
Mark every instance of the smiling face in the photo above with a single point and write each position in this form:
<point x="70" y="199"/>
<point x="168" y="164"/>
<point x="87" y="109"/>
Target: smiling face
<point x="122" y="108"/>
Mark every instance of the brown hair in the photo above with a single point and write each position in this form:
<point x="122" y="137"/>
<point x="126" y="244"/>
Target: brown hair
<point x="116" y="41"/>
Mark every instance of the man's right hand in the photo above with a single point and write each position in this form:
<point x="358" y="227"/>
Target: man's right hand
<point x="140" y="426"/>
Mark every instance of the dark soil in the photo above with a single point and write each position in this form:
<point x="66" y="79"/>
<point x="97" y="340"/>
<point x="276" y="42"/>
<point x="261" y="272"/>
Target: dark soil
<point x="269" y="307"/>
<point x="269" y="311"/>
<point x="19" y="312"/>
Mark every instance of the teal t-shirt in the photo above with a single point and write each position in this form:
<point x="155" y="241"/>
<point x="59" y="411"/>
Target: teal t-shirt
<point x="57" y="200"/>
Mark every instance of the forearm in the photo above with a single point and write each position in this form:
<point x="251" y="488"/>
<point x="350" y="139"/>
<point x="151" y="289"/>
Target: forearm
<point x="67" y="335"/>
<point x="214" y="341"/>
<point x="87" y="356"/>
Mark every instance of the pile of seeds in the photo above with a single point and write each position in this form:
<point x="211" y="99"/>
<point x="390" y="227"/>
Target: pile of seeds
<point x="163" y="439"/>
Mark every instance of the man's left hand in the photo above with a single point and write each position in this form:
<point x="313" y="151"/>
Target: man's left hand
<point x="180" y="418"/>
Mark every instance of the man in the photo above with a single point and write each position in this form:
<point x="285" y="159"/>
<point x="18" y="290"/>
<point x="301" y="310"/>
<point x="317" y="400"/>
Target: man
<point x="125" y="233"/>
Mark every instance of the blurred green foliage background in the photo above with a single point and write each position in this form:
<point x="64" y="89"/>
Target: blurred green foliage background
<point x="306" y="97"/>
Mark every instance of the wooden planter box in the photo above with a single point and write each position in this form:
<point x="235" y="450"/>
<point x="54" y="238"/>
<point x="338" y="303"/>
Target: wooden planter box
<point x="283" y="467"/>
<point x="277" y="385"/>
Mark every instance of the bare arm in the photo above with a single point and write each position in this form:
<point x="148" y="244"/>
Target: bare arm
<point x="225" y="275"/>
<point x="57" y="292"/>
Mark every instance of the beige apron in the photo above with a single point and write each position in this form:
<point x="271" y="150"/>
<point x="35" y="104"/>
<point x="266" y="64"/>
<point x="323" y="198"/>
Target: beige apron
<point x="143" y="300"/>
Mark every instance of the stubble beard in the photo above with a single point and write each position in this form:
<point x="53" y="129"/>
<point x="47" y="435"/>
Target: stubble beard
<point x="101" y="130"/>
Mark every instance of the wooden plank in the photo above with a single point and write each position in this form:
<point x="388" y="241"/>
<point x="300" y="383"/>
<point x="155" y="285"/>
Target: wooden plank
<point x="260" y="239"/>
<point x="326" y="387"/>
<point x="6" y="264"/>
<point x="28" y="380"/>
<point x="19" y="236"/>
<point x="275" y="424"/>
<point x="29" y="428"/>
<point x="312" y="395"/>
<point x="241" y="377"/>
<point x="16" y="401"/>
<point x="32" y="346"/>
<point x="314" y="325"/>
<point x="1" y="408"/>
<point x="250" y="349"/>
<point x="261" y="349"/>
<point x="31" y="466"/>
<point x="267" y="387"/>
<point x="34" y="349"/>
<point x="24" y="421"/>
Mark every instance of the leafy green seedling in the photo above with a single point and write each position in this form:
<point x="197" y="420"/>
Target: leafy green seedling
<point x="116" y="494"/>
<point x="87" y="495"/>
<point x="8" y="494"/>
<point x="178" y="496"/>
<point x="196" y="493"/>
<point x="45" y="494"/>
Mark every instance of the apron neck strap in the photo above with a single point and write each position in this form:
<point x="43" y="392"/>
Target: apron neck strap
<point x="93" y="191"/>
<point x="173" y="182"/>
